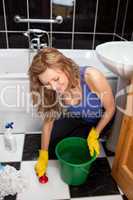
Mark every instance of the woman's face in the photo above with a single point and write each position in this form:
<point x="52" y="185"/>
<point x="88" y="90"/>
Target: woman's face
<point x="54" y="79"/>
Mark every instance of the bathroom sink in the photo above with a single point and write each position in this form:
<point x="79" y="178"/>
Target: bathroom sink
<point x="118" y="57"/>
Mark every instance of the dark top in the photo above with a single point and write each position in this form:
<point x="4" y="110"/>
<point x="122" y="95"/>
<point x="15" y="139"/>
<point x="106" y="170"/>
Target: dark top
<point x="90" y="107"/>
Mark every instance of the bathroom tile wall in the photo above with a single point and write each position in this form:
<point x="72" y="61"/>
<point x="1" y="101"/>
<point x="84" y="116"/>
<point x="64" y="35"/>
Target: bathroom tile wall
<point x="86" y="23"/>
<point x="120" y="18"/>
<point x="2" y="25"/>
<point x="127" y="31"/>
<point x="124" y="26"/>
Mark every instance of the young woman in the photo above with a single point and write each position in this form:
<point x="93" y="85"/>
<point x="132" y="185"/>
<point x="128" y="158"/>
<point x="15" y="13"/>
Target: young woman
<point x="74" y="101"/>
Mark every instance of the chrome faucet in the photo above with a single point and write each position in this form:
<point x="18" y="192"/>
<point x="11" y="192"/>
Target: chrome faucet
<point x="37" y="39"/>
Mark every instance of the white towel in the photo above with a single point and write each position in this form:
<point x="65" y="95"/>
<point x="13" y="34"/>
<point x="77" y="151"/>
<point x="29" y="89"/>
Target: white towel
<point x="12" y="181"/>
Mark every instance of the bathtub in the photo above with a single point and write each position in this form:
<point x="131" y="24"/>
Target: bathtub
<point x="15" y="104"/>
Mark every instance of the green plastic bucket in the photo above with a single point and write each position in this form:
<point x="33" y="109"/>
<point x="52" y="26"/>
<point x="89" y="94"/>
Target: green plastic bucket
<point x="75" y="161"/>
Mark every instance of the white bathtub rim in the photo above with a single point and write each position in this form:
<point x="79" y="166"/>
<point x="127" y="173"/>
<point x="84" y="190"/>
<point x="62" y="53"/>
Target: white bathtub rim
<point x="85" y="54"/>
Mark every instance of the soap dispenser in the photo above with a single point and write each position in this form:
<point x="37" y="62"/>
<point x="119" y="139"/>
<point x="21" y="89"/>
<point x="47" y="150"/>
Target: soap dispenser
<point x="9" y="138"/>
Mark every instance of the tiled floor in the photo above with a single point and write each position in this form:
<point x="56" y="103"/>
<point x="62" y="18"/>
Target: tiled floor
<point x="99" y="186"/>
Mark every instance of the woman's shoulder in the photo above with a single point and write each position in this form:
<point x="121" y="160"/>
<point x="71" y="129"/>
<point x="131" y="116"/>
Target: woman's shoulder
<point x="91" y="76"/>
<point x="91" y="72"/>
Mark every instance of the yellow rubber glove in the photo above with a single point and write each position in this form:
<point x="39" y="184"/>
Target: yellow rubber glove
<point x="42" y="162"/>
<point x="93" y="143"/>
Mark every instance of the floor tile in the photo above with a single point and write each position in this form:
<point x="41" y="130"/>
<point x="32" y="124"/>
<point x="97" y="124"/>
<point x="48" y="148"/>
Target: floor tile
<point x="54" y="189"/>
<point x="31" y="146"/>
<point x="111" y="159"/>
<point x="7" y="156"/>
<point x="108" y="153"/>
<point x="99" y="182"/>
<point x="102" y="152"/>
<point x="106" y="197"/>
<point x="13" y="164"/>
<point x="10" y="197"/>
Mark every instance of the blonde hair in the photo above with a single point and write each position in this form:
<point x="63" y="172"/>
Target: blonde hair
<point x="50" y="58"/>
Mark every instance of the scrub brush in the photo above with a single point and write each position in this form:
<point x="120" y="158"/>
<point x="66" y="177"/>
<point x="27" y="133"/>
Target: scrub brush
<point x="43" y="179"/>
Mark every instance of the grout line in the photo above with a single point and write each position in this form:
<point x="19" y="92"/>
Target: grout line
<point x="51" y="26"/>
<point x="28" y="16"/>
<point x="73" y="24"/>
<point x="13" y="31"/>
<point x="5" y="21"/>
<point x="83" y="33"/>
<point x="131" y="37"/>
<point x="124" y="21"/>
<point x="114" y="34"/>
<point x="28" y="13"/>
<point x="58" y="32"/>
<point x="116" y="18"/>
<point x="95" y="24"/>
<point x="120" y="37"/>
<point x="99" y="33"/>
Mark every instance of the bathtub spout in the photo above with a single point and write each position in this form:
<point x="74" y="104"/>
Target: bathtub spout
<point x="38" y="39"/>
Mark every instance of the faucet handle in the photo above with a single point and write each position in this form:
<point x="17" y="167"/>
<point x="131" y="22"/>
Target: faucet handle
<point x="27" y="34"/>
<point x="35" y="32"/>
<point x="35" y="44"/>
<point x="37" y="38"/>
<point x="43" y="45"/>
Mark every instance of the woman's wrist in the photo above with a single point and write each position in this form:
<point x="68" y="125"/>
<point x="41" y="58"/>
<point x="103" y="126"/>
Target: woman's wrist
<point x="44" y="148"/>
<point x="98" y="131"/>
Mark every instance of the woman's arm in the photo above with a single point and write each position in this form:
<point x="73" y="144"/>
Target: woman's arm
<point x="46" y="134"/>
<point x="42" y="162"/>
<point x="108" y="114"/>
<point x="99" y="84"/>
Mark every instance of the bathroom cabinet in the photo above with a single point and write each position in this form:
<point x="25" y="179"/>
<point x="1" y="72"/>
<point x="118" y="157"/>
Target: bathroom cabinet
<point x="122" y="169"/>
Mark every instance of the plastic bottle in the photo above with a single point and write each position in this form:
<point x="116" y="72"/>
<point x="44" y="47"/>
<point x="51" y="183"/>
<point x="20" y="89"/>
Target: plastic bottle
<point x="9" y="138"/>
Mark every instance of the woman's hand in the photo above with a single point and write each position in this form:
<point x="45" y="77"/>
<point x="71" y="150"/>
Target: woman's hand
<point x="93" y="143"/>
<point x="42" y="163"/>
